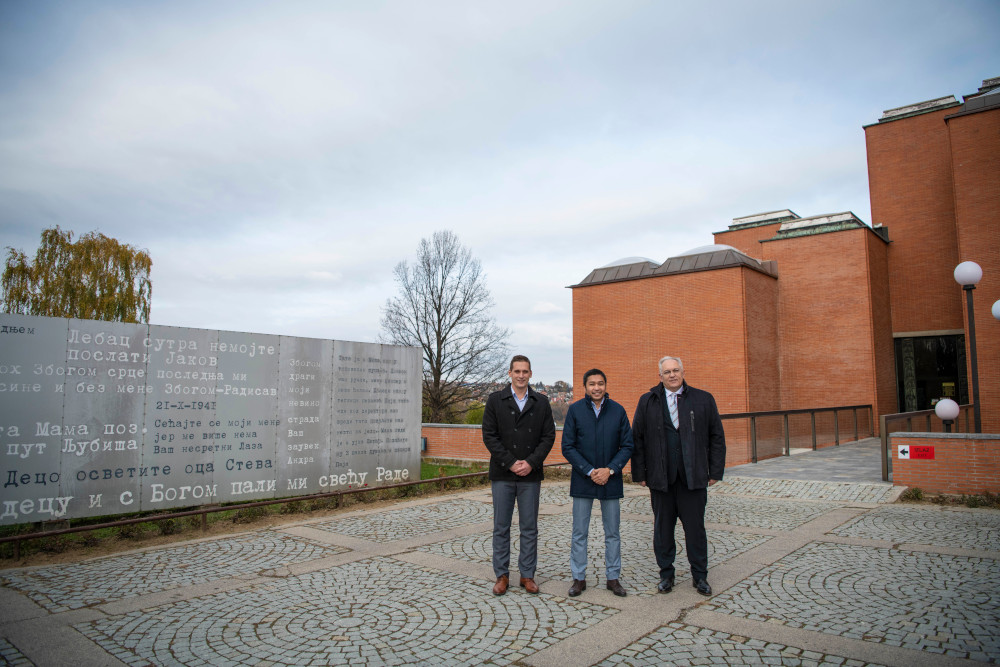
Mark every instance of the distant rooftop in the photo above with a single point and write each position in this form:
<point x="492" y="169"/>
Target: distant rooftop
<point x="987" y="98"/>
<point x="760" y="219"/>
<point x="918" y="108"/>
<point x="973" y="102"/>
<point x="703" y="258"/>
<point x="625" y="261"/>
<point x="822" y="224"/>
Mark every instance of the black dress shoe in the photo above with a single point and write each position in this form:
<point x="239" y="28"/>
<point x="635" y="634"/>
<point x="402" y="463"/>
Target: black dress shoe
<point x="701" y="585"/>
<point x="579" y="586"/>
<point x="666" y="585"/>
<point x="615" y="587"/>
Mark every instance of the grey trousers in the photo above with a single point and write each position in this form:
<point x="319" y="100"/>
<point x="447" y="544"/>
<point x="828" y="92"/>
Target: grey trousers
<point x="526" y="494"/>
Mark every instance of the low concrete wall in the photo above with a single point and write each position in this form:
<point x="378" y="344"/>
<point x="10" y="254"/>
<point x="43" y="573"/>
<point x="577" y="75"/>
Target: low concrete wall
<point x="962" y="462"/>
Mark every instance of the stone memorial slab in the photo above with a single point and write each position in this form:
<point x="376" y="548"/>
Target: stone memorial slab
<point x="101" y="418"/>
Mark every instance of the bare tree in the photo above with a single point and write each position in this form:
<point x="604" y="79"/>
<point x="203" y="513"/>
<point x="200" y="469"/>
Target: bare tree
<point x="94" y="278"/>
<point x="443" y="307"/>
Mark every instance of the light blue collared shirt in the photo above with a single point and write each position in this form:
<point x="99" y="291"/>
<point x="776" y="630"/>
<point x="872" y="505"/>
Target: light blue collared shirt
<point x="521" y="402"/>
<point x="597" y="406"/>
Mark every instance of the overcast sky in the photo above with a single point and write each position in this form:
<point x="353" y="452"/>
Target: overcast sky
<point x="277" y="159"/>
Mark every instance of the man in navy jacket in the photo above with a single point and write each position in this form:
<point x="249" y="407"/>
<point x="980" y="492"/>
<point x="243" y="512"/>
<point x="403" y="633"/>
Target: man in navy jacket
<point x="519" y="432"/>
<point x="597" y="441"/>
<point x="680" y="450"/>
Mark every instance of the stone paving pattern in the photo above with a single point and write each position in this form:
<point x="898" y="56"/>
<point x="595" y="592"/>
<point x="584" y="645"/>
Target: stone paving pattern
<point x="639" y="574"/>
<point x="9" y="655"/>
<point x="746" y="512"/>
<point x="942" y="527"/>
<point x="418" y="521"/>
<point x="807" y="489"/>
<point x="368" y="611"/>
<point x="921" y="601"/>
<point x="682" y="645"/>
<point x="64" y="587"/>
<point x="790" y="564"/>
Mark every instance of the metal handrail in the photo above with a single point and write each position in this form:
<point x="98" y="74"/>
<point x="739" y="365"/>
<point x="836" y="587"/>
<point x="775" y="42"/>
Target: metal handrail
<point x="908" y="417"/>
<point x="752" y="416"/>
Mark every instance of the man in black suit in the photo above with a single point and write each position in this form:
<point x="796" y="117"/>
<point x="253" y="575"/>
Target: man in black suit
<point x="519" y="432"/>
<point x="680" y="450"/>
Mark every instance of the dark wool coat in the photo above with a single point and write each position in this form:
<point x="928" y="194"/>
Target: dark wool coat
<point x="703" y="443"/>
<point x="512" y="435"/>
<point x="589" y="442"/>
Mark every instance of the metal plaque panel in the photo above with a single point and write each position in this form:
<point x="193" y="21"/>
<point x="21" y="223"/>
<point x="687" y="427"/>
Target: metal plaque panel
<point x="32" y="385"/>
<point x="103" y="417"/>
<point x="247" y="412"/>
<point x="305" y="389"/>
<point x="181" y="430"/>
<point x="369" y="407"/>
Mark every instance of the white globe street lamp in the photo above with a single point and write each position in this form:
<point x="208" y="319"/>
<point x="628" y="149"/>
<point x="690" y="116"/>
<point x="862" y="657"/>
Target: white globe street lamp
<point x="947" y="411"/>
<point x="968" y="274"/>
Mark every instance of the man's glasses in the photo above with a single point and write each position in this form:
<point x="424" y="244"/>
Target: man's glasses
<point x="675" y="371"/>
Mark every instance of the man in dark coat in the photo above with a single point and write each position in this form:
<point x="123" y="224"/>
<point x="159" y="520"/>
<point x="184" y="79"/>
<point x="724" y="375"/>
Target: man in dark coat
<point x="519" y="432"/>
<point x="680" y="450"/>
<point x="597" y="441"/>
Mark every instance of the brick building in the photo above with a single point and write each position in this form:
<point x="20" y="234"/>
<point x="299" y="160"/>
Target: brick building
<point x="787" y="312"/>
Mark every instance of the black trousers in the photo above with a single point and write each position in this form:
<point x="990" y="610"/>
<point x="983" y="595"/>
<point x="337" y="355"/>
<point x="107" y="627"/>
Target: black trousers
<point x="689" y="506"/>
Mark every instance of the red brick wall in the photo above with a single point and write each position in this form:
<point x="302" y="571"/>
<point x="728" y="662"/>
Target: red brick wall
<point x="624" y="328"/>
<point x="886" y="399"/>
<point x="975" y="144"/>
<point x="910" y="182"/>
<point x="962" y="463"/>
<point x="763" y="356"/>
<point x="459" y="441"/>
<point x="748" y="240"/>
<point x="825" y="313"/>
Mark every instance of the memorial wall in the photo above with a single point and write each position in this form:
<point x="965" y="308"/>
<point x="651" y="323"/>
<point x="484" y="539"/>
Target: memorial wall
<point x="101" y="418"/>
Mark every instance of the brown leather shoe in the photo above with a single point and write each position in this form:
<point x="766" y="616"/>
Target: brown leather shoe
<point x="529" y="585"/>
<point x="616" y="588"/>
<point x="579" y="586"/>
<point x="501" y="586"/>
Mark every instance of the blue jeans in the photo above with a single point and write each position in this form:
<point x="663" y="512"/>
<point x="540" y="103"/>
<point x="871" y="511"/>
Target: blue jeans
<point x="611" y="518"/>
<point x="504" y="495"/>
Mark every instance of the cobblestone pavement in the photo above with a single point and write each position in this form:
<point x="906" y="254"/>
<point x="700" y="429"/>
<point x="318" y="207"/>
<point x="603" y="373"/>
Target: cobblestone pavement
<point x="680" y="644"/>
<point x="942" y="527"/>
<point x="921" y="601"/>
<point x="416" y="521"/>
<point x="880" y="492"/>
<point x="805" y="572"/>
<point x="370" y="611"/>
<point x="639" y="574"/>
<point x="64" y="587"/>
<point x="9" y="655"/>
<point x="747" y="512"/>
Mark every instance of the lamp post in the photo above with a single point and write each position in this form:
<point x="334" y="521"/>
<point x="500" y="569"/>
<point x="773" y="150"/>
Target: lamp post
<point x="947" y="410"/>
<point x="968" y="274"/>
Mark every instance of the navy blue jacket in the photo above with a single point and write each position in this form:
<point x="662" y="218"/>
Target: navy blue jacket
<point x="703" y="443"/>
<point x="514" y="435"/>
<point x="590" y="442"/>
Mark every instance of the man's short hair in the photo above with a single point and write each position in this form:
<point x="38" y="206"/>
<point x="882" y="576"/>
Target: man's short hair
<point x="593" y="371"/>
<point x="517" y="358"/>
<point x="680" y="364"/>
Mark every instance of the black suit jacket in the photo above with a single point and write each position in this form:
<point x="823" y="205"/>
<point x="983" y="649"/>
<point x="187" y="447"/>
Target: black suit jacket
<point x="514" y="435"/>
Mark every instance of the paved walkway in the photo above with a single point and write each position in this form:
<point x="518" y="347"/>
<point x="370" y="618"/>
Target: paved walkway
<point x="805" y="572"/>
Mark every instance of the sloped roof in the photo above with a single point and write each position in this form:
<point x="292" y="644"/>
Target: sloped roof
<point x="611" y="274"/>
<point x="720" y="257"/>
